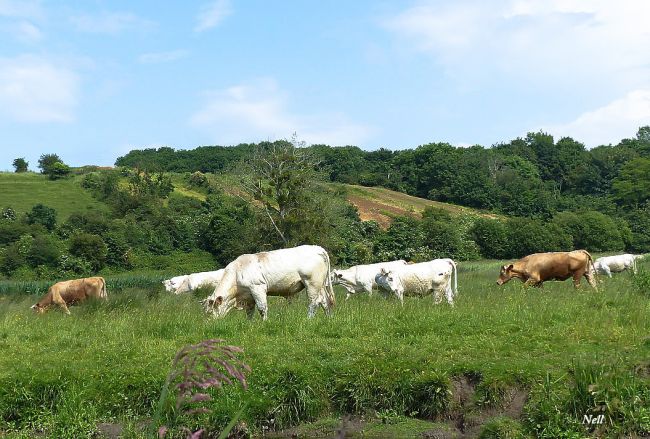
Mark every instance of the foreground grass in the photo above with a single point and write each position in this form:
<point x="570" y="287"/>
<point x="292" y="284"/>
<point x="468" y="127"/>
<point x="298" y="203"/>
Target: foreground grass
<point x="572" y="352"/>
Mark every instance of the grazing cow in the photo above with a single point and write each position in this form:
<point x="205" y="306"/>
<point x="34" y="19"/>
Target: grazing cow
<point x="361" y="278"/>
<point x="421" y="279"/>
<point x="197" y="280"/>
<point x="249" y="279"/>
<point x="537" y="268"/>
<point x="171" y="285"/>
<point x="70" y="292"/>
<point x="616" y="264"/>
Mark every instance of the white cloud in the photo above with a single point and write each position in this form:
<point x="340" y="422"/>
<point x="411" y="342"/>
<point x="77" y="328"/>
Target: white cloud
<point x="211" y="14"/>
<point x="551" y="42"/>
<point x="162" y="57"/>
<point x="109" y="22"/>
<point x="259" y="111"/>
<point x="21" y="9"/>
<point x="33" y="89"/>
<point x="608" y="124"/>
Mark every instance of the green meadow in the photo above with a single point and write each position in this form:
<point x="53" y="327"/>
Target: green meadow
<point x="24" y="190"/>
<point x="504" y="362"/>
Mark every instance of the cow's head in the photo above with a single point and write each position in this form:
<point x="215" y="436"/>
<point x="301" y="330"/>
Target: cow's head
<point x="170" y="286"/>
<point x="39" y="309"/>
<point x="506" y="274"/>
<point x="218" y="305"/>
<point x="387" y="280"/>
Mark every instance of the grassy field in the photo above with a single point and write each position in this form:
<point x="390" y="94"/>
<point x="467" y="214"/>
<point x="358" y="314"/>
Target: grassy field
<point x="505" y="362"/>
<point x="23" y="191"/>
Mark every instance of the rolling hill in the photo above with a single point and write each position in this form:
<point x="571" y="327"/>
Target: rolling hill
<point x="22" y="191"/>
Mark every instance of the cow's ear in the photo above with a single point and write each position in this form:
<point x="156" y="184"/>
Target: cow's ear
<point x="510" y="267"/>
<point x="382" y="272"/>
<point x="219" y="300"/>
<point x="339" y="275"/>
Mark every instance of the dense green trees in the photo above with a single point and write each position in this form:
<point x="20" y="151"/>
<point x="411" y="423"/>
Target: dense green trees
<point x="20" y="164"/>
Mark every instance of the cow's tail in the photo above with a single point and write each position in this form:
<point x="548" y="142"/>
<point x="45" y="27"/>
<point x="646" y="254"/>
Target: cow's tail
<point x="591" y="267"/>
<point x="454" y="274"/>
<point x="329" y="288"/>
<point x="102" y="293"/>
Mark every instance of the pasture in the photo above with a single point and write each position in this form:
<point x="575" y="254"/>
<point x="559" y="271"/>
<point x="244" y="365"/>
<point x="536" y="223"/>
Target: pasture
<point x="505" y="362"/>
<point x="23" y="191"/>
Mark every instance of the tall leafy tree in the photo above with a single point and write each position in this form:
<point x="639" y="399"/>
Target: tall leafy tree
<point x="20" y="164"/>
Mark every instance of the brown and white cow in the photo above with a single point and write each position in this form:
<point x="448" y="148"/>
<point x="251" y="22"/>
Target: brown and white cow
<point x="70" y="292"/>
<point x="537" y="268"/>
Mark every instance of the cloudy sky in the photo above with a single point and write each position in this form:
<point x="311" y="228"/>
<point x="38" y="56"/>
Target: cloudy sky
<point x="91" y="80"/>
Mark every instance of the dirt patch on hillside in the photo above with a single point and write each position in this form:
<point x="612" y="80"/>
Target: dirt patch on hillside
<point x="383" y="214"/>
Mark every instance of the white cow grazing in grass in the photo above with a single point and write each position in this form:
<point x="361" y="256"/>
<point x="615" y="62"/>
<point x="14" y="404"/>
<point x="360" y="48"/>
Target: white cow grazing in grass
<point x="616" y="264"/>
<point x="171" y="285"/>
<point x="249" y="279"/>
<point x="197" y="280"/>
<point x="361" y="278"/>
<point x="421" y="279"/>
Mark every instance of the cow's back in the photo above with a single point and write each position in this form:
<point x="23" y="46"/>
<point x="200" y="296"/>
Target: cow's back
<point x="555" y="265"/>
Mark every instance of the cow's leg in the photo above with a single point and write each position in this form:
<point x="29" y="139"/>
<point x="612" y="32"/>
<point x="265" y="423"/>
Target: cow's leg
<point x="56" y="298"/>
<point x="450" y="294"/>
<point x="259" y="296"/>
<point x="250" y="309"/>
<point x="437" y="295"/>
<point x="607" y="271"/>
<point x="591" y="279"/>
<point x="577" y="276"/>
<point x="400" y="296"/>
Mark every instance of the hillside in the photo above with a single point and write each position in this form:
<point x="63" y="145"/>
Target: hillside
<point x="22" y="191"/>
<point x="381" y="205"/>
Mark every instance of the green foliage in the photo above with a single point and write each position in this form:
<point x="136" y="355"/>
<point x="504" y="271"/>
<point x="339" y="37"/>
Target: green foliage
<point x="198" y="179"/>
<point x="502" y="428"/>
<point x="641" y="283"/>
<point x="8" y="214"/>
<point x="593" y="231"/>
<point x="104" y="184"/>
<point x="58" y="170"/>
<point x="491" y="237"/>
<point x="632" y="186"/>
<point x="20" y="165"/>
<point x="46" y="161"/>
<point x="90" y="248"/>
<point x="43" y="215"/>
<point x="526" y="236"/>
<point x="44" y="250"/>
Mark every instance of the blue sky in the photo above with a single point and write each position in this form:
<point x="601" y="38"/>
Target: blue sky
<point x="91" y="80"/>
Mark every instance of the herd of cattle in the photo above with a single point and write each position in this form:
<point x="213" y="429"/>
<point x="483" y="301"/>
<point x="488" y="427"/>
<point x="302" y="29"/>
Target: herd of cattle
<point x="246" y="282"/>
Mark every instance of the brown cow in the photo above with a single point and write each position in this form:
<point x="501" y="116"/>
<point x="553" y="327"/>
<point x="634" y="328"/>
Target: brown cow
<point x="537" y="268"/>
<point x="70" y="292"/>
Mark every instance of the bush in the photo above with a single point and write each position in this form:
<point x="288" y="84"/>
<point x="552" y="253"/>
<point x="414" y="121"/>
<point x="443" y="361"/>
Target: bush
<point x="91" y="248"/>
<point x="527" y="236"/>
<point x="58" y="170"/>
<point x="43" y="215"/>
<point x="11" y="259"/>
<point x="20" y="164"/>
<point x="445" y="240"/>
<point x="491" y="236"/>
<point x="641" y="283"/>
<point x="89" y="222"/>
<point x="44" y="250"/>
<point x="593" y="231"/>
<point x="8" y="214"/>
<point x="198" y="179"/>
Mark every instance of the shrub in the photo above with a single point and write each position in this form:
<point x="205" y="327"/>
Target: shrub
<point x="641" y="282"/>
<point x="491" y="236"/>
<point x="526" y="236"/>
<point x="592" y="230"/>
<point x="58" y="170"/>
<point x="8" y="214"/>
<point x="198" y="179"/>
<point x="90" y="248"/>
<point x="43" y="215"/>
<point x="20" y="164"/>
<point x="44" y="250"/>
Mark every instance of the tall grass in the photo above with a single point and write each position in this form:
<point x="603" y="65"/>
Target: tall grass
<point x="574" y="351"/>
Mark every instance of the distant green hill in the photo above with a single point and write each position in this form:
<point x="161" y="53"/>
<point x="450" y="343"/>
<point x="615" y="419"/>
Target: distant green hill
<point x="22" y="191"/>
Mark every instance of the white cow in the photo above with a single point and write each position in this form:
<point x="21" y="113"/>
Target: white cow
<point x="197" y="280"/>
<point x="361" y="278"/>
<point x="171" y="285"/>
<point x="616" y="264"/>
<point x="421" y="279"/>
<point x="249" y="279"/>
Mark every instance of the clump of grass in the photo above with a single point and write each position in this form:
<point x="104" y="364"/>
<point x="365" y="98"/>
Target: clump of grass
<point x="196" y="369"/>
